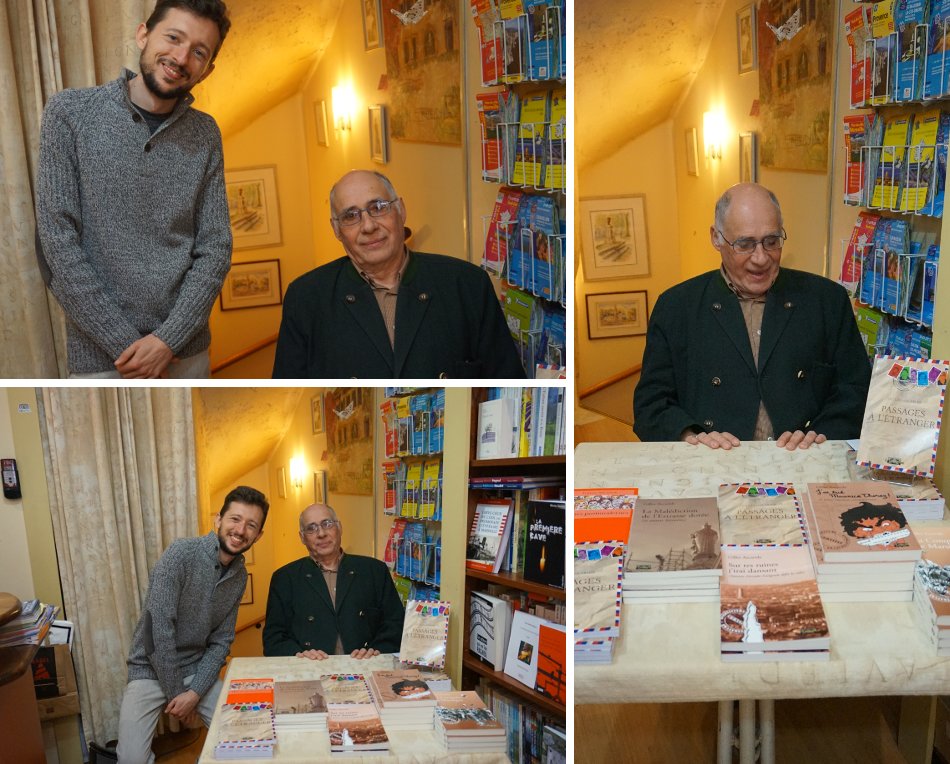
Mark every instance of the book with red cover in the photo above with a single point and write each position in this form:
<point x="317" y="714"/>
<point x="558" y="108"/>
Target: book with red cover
<point x="769" y="600"/>
<point x="552" y="662"/>
<point x="250" y="691"/>
<point x="491" y="527"/>
<point x="860" y="522"/>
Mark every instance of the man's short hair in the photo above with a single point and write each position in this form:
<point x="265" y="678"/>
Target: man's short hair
<point x="247" y="495"/>
<point x="331" y="510"/>
<point x="383" y="179"/>
<point x="214" y="10"/>
<point x="723" y="205"/>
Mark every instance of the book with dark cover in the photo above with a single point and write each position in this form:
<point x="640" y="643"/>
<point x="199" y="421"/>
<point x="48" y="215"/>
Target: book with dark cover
<point x="544" y="546"/>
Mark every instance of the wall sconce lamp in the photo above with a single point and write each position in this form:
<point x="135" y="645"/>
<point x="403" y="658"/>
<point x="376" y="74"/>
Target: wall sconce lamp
<point x="296" y="472"/>
<point x="343" y="107"/>
<point x="714" y="129"/>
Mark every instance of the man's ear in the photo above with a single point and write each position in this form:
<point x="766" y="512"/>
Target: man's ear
<point x="141" y="35"/>
<point x="207" y="72"/>
<point x="714" y="237"/>
<point x="336" y="229"/>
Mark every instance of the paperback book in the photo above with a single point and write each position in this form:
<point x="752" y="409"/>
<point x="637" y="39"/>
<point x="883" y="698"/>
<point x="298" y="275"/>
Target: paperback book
<point x="544" y="546"/>
<point x="424" y="633"/>
<point x="355" y="727"/>
<point x="674" y="538"/>
<point x="489" y="628"/>
<point x="598" y="589"/>
<point x="400" y="689"/>
<point x="488" y="535"/>
<point x="245" y="731"/>
<point x="760" y="513"/>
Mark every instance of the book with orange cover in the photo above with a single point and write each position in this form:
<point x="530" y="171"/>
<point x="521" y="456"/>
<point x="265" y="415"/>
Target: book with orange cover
<point x="603" y="514"/>
<point x="552" y="662"/>
<point x="251" y="691"/>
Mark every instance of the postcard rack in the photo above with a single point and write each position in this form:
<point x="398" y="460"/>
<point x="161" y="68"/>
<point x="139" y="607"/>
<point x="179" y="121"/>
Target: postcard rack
<point x="528" y="155"/>
<point x="517" y="60"/>
<point x="881" y="85"/>
<point x="414" y="498"/>
<point x="418" y="561"/>
<point x="537" y="266"/>
<point x="898" y="178"/>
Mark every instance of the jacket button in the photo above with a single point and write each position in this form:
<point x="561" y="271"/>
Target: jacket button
<point x="306" y="644"/>
<point x="136" y="117"/>
<point x="789" y="305"/>
<point x="309" y="617"/>
<point x="443" y="375"/>
<point x="801" y="374"/>
<point x="148" y="147"/>
<point x="717" y="306"/>
<point x="716" y="381"/>
<point x="423" y="296"/>
<point x="350" y="298"/>
<point x="708" y="424"/>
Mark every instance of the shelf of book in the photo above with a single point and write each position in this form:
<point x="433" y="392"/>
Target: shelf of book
<point x="473" y="663"/>
<point x="518" y="464"/>
<point x="517" y="581"/>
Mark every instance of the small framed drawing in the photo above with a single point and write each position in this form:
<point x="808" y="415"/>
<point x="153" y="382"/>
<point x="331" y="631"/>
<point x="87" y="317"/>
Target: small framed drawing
<point x="745" y="38"/>
<point x="252" y="285"/>
<point x="320" y="117"/>
<point x="252" y="202"/>
<point x="282" y="482"/>
<point x="320" y="487"/>
<point x="614" y="237"/>
<point x="316" y="414"/>
<point x="378" y="140"/>
<point x="372" y="24"/>
<point x="692" y="166"/>
<point x="748" y="158"/>
<point x="248" y="597"/>
<point x="616" y="314"/>
<point x="249" y="556"/>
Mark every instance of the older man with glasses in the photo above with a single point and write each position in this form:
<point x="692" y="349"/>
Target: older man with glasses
<point x="751" y="351"/>
<point x="386" y="312"/>
<point x="330" y="602"/>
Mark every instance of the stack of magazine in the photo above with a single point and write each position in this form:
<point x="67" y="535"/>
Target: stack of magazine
<point x="463" y="723"/>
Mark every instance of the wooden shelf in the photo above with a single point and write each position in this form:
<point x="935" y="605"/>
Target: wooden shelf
<point x="517" y="581"/>
<point x="549" y="705"/>
<point x="522" y="463"/>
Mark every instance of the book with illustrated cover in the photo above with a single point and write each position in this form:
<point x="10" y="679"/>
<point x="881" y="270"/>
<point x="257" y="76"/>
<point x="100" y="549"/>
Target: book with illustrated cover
<point x="769" y="600"/>
<point x="431" y="495"/>
<point x="672" y="538"/>
<point x="532" y="265"/>
<point x="250" y="691"/>
<point x="412" y="494"/>
<point x="760" y="513"/>
<point x="424" y="633"/>
<point x="918" y="180"/>
<point x="345" y="688"/>
<point x="387" y="413"/>
<point x="883" y="54"/>
<point x="920" y="305"/>
<point x="862" y="237"/>
<point x="245" y="731"/>
<point x="903" y="414"/>
<point x="487" y="20"/>
<point x="489" y="534"/>
<point x="551" y="678"/>
<point x="489" y="628"/>
<point x="521" y="658"/>
<point x="390" y="486"/>
<point x="603" y="514"/>
<point x="886" y="192"/>
<point x="355" y="727"/>
<point x="404" y="688"/>
<point x="909" y="19"/>
<point x="891" y="238"/>
<point x="300" y="698"/>
<point x="598" y="589"/>
<point x="873" y="328"/>
<point x="419" y="410"/>
<point x="860" y="522"/>
<point x="403" y="427"/>
<point x="932" y="575"/>
<point x="414" y="540"/>
<point x="532" y="134"/>
<point x="937" y="75"/>
<point x="464" y="713"/>
<point x="544" y="546"/>
<point x="541" y="40"/>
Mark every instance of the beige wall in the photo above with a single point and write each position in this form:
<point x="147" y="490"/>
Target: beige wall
<point x="15" y="574"/>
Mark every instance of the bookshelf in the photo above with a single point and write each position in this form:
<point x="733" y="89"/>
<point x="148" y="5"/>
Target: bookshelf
<point x="473" y="668"/>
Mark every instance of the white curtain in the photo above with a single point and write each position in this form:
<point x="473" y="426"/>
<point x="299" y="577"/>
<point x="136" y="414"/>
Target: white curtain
<point x="120" y="464"/>
<point x="45" y="46"/>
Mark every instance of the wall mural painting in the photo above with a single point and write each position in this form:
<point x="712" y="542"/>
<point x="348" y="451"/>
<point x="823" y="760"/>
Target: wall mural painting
<point x="349" y="423"/>
<point x="423" y="70"/>
<point x="796" y="45"/>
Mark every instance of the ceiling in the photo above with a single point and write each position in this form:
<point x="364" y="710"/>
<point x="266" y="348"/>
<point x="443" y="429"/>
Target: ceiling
<point x="272" y="48"/>
<point x="242" y="426"/>
<point x="633" y="64"/>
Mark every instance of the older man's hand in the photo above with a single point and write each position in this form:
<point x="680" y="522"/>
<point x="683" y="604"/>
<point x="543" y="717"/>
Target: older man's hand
<point x="798" y="439"/>
<point x="723" y="440"/>
<point x="364" y="652"/>
<point x="314" y="655"/>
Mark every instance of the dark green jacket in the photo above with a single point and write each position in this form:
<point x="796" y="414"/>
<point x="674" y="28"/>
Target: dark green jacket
<point x="300" y="614"/>
<point x="448" y="324"/>
<point x="813" y="372"/>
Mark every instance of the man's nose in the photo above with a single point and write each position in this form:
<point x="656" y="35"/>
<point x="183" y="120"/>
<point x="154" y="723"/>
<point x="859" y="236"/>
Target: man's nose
<point x="367" y="221"/>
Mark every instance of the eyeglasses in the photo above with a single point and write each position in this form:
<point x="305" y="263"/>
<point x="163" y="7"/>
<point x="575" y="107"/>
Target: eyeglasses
<point x="375" y="209"/>
<point x="771" y="243"/>
<point x="314" y="528"/>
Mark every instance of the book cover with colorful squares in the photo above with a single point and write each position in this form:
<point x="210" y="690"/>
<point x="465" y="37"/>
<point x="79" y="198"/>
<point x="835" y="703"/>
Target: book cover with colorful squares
<point x="598" y="589"/>
<point x="424" y="633"/>
<point x="760" y="513"/>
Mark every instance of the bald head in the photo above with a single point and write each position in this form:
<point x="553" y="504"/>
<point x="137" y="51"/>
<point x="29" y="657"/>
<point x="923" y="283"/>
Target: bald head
<point x="744" y="193"/>
<point x="315" y="513"/>
<point x="360" y="176"/>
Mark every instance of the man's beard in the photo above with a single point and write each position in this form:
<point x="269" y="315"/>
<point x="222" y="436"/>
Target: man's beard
<point x="223" y="545"/>
<point x="155" y="87"/>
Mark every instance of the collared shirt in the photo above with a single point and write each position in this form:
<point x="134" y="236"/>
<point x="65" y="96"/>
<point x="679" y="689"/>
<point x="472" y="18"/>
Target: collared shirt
<point x="386" y="297"/>
<point x="330" y="577"/>
<point x="753" y="309"/>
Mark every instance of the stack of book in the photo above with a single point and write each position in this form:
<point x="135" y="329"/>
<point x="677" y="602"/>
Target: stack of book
<point x="861" y="545"/>
<point x="598" y="580"/>
<point x="403" y="699"/>
<point x="300" y="705"/>
<point x="355" y="728"/>
<point x="918" y="496"/>
<point x="246" y="731"/>
<point x="30" y="627"/>
<point x="674" y="552"/>
<point x="770" y="608"/>
<point x="464" y="724"/>
<point x="932" y="585"/>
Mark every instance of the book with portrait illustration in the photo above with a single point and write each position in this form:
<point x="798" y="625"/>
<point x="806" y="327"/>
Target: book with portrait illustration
<point x="860" y="522"/>
<point x="425" y="631"/>
<point x="760" y="514"/>
<point x="903" y="414"/>
<point x="404" y="688"/>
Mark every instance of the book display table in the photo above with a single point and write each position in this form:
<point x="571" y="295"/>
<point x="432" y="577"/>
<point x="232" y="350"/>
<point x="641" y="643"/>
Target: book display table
<point x="314" y="747"/>
<point x="670" y="653"/>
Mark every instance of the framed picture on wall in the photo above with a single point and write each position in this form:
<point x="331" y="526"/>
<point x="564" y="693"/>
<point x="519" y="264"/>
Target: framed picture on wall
<point x="692" y="163"/>
<point x="320" y="116"/>
<point x="316" y="414"/>
<point x="320" y="487"/>
<point x="378" y="140"/>
<point x="252" y="203"/>
<point x="248" y="598"/>
<point x="616" y="314"/>
<point x="372" y="24"/>
<point x="614" y="237"/>
<point x="745" y="38"/>
<point x="252" y="285"/>
<point x="748" y="158"/>
<point x="282" y="482"/>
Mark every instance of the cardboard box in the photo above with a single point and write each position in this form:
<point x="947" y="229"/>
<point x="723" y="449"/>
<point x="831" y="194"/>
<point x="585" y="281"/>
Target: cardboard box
<point x="66" y="703"/>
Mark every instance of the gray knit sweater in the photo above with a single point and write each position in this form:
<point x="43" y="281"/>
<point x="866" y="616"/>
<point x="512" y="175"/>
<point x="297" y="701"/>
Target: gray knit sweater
<point x="134" y="226"/>
<point x="187" y="625"/>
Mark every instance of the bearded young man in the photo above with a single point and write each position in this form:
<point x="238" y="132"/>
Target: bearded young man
<point x="131" y="209"/>
<point x="187" y="625"/>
